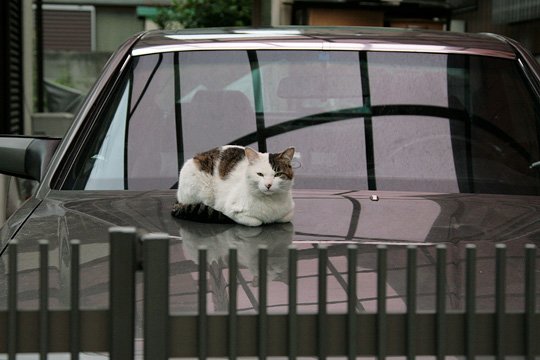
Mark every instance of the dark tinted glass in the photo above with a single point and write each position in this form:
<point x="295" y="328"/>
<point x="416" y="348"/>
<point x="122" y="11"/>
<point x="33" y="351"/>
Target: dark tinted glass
<point x="375" y="120"/>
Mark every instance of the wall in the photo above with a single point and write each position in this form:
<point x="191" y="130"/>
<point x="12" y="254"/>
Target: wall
<point x="114" y="24"/>
<point x="73" y="69"/>
<point x="481" y="20"/>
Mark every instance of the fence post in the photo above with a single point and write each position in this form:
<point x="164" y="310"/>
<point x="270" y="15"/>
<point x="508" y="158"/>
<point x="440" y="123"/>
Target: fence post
<point x="122" y="292"/>
<point x="12" y="301"/>
<point x="440" y="305"/>
<point x="352" y="323"/>
<point x="233" y="289"/>
<point x="411" y="301"/>
<point x="43" y="299"/>
<point x="156" y="296"/>
<point x="382" y="326"/>
<point x="530" y="300"/>
<point x="470" y="302"/>
<point x="441" y="302"/>
<point x="262" y="343"/>
<point x="75" y="318"/>
<point x="292" y="322"/>
<point x="202" y="324"/>
<point x="322" y="298"/>
<point x="500" y="301"/>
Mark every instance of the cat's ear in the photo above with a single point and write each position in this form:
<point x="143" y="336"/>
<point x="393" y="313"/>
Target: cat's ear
<point x="251" y="154"/>
<point x="288" y="154"/>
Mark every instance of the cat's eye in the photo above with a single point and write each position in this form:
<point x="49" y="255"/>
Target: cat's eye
<point x="260" y="174"/>
<point x="278" y="174"/>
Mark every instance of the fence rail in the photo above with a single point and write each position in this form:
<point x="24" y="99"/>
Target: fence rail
<point x="470" y="333"/>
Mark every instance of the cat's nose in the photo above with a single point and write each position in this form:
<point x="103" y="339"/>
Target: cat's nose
<point x="268" y="186"/>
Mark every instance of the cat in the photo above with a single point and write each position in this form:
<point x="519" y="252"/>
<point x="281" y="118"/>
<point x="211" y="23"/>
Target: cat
<point x="247" y="186"/>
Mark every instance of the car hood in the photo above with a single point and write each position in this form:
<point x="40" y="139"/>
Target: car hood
<point x="334" y="218"/>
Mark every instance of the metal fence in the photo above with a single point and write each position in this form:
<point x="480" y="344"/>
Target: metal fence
<point x="352" y="334"/>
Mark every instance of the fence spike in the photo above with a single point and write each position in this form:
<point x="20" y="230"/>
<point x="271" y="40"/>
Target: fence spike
<point x="122" y="291"/>
<point x="12" y="301"/>
<point x="203" y="311"/>
<point x="233" y="291"/>
<point x="470" y="301"/>
<point x="500" y="300"/>
<point x="322" y="295"/>
<point x="441" y="301"/>
<point x="292" y="325"/>
<point x="263" y="311"/>
<point x="156" y="296"/>
<point x="43" y="298"/>
<point x="352" y="324"/>
<point x="411" y="301"/>
<point x="382" y="326"/>
<point x="74" y="313"/>
<point x="530" y="301"/>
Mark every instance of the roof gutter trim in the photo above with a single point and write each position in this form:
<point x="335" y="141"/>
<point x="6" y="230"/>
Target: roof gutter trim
<point x="321" y="45"/>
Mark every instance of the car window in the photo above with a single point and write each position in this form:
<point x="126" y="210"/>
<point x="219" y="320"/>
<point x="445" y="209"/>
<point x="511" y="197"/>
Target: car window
<point x="359" y="120"/>
<point x="212" y="113"/>
<point x="107" y="165"/>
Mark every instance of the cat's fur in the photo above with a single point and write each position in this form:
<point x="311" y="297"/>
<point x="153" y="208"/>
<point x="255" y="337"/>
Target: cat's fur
<point x="199" y="213"/>
<point x="249" y="187"/>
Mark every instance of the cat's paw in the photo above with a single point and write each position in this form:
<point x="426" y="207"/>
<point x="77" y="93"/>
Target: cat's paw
<point x="247" y="220"/>
<point x="287" y="218"/>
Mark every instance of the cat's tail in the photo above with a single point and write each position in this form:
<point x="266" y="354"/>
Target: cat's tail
<point x="199" y="213"/>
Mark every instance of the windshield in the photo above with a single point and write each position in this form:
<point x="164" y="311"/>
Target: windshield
<point x="358" y="120"/>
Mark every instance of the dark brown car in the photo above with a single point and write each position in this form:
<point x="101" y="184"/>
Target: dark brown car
<point x="402" y="137"/>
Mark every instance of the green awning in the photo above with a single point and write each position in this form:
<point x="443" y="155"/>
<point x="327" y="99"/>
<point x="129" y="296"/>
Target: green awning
<point x="147" y="11"/>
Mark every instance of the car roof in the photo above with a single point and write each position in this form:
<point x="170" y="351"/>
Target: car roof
<point x="324" y="38"/>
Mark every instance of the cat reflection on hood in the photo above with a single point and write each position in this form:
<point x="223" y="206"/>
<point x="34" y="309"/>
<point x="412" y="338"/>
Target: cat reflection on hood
<point x="218" y="238"/>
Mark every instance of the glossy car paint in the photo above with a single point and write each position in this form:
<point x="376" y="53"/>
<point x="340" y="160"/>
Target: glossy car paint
<point x="396" y="219"/>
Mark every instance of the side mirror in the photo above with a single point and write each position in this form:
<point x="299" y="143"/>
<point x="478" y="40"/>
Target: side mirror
<point x="26" y="157"/>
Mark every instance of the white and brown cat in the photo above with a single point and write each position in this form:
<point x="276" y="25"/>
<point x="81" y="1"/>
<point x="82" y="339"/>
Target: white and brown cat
<point x="247" y="186"/>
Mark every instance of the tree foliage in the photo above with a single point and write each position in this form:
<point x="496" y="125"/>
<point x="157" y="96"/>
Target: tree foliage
<point x="205" y="13"/>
